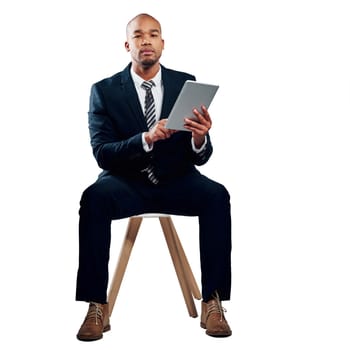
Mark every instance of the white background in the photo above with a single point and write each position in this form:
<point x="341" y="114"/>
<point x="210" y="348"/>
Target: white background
<point x="281" y="146"/>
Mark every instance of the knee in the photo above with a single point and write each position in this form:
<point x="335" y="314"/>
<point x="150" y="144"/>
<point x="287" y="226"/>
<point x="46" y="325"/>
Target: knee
<point x="95" y="196"/>
<point x="222" y="193"/>
<point x="217" y="194"/>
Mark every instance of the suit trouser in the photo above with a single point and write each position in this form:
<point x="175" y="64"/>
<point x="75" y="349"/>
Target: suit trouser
<point x="112" y="197"/>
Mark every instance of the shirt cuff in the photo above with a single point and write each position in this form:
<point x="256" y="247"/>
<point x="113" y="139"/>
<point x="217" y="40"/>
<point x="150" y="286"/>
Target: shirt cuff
<point x="146" y="146"/>
<point x="198" y="150"/>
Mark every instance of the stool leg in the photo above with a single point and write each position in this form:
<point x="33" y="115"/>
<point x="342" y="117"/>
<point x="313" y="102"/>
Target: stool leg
<point x="179" y="268"/>
<point x="186" y="266"/>
<point x="129" y="240"/>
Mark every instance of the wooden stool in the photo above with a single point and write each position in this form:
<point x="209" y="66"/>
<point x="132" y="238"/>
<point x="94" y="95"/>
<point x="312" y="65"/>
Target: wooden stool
<point x="183" y="270"/>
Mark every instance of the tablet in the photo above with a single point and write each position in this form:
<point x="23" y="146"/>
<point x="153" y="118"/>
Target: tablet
<point x="193" y="95"/>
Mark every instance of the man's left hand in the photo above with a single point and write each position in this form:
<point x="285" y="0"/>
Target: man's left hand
<point x="199" y="127"/>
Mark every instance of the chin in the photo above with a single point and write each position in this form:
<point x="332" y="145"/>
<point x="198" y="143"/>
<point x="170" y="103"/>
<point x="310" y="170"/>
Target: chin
<point x="148" y="63"/>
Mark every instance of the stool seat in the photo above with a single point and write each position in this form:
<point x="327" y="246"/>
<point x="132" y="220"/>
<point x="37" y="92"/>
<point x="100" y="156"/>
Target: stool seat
<point x="182" y="267"/>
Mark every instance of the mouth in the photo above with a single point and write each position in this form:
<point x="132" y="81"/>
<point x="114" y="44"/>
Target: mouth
<point x="147" y="52"/>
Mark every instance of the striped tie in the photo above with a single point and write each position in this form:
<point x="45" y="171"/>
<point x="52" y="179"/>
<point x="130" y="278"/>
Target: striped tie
<point x="150" y="116"/>
<point x="150" y="108"/>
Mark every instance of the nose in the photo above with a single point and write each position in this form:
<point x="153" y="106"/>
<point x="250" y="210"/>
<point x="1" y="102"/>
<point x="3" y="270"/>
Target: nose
<point x="145" y="41"/>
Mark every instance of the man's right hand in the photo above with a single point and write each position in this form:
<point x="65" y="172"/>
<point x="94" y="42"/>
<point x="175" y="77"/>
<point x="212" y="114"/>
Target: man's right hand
<point x="158" y="132"/>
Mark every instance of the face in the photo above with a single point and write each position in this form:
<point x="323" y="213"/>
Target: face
<point x="144" y="41"/>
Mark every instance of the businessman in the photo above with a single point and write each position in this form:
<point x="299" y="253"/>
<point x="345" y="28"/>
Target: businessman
<point x="148" y="168"/>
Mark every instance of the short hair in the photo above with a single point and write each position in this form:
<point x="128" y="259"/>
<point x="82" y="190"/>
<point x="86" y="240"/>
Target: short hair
<point x="142" y="15"/>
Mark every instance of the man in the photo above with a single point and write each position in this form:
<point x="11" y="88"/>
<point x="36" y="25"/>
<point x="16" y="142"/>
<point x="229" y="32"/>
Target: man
<point x="149" y="168"/>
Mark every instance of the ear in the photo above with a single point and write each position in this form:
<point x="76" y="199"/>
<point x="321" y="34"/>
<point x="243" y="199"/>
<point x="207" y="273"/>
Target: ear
<point x="127" y="46"/>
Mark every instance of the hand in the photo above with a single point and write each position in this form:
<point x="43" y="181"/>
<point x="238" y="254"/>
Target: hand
<point x="158" y="132"/>
<point x="199" y="127"/>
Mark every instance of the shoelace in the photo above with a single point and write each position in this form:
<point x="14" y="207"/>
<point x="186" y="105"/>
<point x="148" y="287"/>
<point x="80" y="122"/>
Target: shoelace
<point x="216" y="307"/>
<point x="95" y="313"/>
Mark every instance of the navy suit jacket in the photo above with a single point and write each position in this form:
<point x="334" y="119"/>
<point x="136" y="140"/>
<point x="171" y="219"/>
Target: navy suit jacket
<point x="116" y="123"/>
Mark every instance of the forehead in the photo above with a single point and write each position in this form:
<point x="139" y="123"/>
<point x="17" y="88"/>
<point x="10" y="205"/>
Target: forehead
<point x="143" y="24"/>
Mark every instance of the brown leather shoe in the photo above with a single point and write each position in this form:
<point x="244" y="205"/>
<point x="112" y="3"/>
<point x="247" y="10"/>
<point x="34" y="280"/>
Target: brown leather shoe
<point x="96" y="322"/>
<point x="213" y="319"/>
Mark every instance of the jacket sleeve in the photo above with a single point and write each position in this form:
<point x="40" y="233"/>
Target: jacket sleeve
<point x="203" y="156"/>
<point x="111" y="150"/>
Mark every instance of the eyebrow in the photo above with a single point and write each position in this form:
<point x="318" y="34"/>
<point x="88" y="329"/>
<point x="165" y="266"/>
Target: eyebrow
<point x="142" y="31"/>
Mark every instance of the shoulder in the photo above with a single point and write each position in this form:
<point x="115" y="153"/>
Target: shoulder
<point x="108" y="82"/>
<point x="116" y="79"/>
<point x="175" y="74"/>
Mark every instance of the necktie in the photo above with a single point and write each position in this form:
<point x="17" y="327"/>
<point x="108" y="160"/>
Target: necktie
<point x="150" y="116"/>
<point x="150" y="108"/>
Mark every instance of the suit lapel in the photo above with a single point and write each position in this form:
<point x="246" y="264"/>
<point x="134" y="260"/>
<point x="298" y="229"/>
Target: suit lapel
<point x="168" y="94"/>
<point x="132" y="99"/>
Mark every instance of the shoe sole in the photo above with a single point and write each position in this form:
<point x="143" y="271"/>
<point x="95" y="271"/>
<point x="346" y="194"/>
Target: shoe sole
<point x="217" y="334"/>
<point x="105" y="329"/>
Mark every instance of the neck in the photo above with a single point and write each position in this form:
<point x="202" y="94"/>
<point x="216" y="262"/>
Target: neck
<point x="146" y="73"/>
